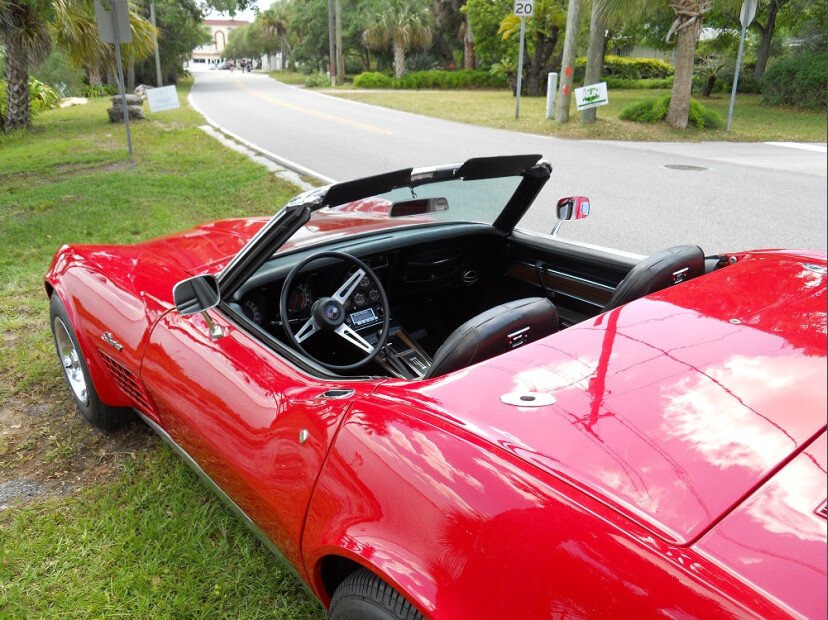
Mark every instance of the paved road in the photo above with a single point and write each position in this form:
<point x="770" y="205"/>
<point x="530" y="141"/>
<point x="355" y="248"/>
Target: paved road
<point x="734" y="196"/>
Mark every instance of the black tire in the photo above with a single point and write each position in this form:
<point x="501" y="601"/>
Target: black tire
<point x="364" y="596"/>
<point x="98" y="413"/>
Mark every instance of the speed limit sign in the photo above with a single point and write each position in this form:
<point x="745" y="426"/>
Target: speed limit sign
<point x="524" y="8"/>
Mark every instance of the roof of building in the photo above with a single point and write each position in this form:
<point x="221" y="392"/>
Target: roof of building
<point x="226" y="22"/>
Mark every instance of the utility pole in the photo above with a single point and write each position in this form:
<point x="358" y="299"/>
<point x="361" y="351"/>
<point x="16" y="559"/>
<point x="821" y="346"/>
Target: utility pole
<point x="597" y="34"/>
<point x="331" y="56"/>
<point x="340" y="54"/>
<point x="155" y="42"/>
<point x="567" y="65"/>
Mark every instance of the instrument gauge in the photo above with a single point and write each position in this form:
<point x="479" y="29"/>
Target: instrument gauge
<point x="252" y="311"/>
<point x="299" y="299"/>
<point x="365" y="282"/>
<point x="359" y="299"/>
<point x="373" y="294"/>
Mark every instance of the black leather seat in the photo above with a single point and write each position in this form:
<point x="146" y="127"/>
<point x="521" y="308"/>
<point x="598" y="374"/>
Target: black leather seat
<point x="495" y="331"/>
<point x="658" y="271"/>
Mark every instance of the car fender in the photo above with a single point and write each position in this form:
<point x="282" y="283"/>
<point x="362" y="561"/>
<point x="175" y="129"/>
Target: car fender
<point x="113" y="297"/>
<point x="464" y="530"/>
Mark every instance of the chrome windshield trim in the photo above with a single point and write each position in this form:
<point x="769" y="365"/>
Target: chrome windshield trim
<point x="583" y="244"/>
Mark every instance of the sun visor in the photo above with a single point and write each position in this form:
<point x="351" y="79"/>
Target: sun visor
<point x="492" y="167"/>
<point x="349" y="191"/>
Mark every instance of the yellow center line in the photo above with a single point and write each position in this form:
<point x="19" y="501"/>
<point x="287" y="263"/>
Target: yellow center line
<point x="316" y="113"/>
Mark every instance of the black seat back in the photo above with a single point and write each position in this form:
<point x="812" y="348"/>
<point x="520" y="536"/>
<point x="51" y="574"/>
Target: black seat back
<point x="495" y="331"/>
<point x="658" y="271"/>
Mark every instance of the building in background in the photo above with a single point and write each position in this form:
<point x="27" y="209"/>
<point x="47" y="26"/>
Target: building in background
<point x="212" y="53"/>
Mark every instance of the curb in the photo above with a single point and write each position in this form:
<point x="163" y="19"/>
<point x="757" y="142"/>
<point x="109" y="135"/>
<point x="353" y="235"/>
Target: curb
<point x="291" y="165"/>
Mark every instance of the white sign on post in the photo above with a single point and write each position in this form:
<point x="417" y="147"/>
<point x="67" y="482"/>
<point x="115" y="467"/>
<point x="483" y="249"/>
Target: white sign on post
<point x="524" y="8"/>
<point x="591" y="96"/>
<point x="163" y="98"/>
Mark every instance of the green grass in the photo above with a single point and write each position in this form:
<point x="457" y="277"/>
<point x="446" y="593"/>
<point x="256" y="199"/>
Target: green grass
<point x="153" y="544"/>
<point x="142" y="538"/>
<point x="289" y="77"/>
<point x="752" y="121"/>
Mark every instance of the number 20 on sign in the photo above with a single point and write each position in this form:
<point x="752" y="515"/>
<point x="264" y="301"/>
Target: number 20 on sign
<point x="524" y="8"/>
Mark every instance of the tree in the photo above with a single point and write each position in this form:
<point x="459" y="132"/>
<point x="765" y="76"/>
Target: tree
<point x="25" y="34"/>
<point x="180" y="31"/>
<point x="75" y="30"/>
<point x="685" y="28"/>
<point x="403" y="24"/>
<point x="275" y="26"/>
<point x="543" y="30"/>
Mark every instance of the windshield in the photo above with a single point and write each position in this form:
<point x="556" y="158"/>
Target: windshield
<point x="479" y="200"/>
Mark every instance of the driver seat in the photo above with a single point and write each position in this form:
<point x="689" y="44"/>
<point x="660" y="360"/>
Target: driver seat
<point x="495" y="331"/>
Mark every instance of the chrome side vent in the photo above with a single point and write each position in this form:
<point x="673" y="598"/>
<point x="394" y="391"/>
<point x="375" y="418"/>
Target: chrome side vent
<point x="470" y="277"/>
<point x="127" y="381"/>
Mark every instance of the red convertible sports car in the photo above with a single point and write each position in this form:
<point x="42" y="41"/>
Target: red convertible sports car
<point x="427" y="411"/>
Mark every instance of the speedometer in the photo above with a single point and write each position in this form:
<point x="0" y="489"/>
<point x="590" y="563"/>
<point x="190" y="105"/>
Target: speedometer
<point x="252" y="311"/>
<point x="299" y="299"/>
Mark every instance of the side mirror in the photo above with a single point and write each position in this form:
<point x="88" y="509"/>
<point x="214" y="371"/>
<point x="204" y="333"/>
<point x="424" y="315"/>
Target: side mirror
<point x="196" y="294"/>
<point x="418" y="206"/>
<point x="571" y="208"/>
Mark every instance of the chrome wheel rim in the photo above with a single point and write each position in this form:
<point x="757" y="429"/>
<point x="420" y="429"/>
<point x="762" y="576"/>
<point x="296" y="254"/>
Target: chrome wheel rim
<point x="70" y="360"/>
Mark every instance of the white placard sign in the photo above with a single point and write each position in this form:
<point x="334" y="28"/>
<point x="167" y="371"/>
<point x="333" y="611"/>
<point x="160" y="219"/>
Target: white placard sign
<point x="591" y="96"/>
<point x="162" y="98"/>
<point x="524" y="8"/>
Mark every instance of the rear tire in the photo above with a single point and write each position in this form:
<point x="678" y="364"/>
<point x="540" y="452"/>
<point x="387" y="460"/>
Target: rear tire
<point x="70" y="356"/>
<point x="364" y="596"/>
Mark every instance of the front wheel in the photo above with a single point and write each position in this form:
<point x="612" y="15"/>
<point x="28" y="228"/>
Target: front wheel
<point x="364" y="596"/>
<point x="76" y="373"/>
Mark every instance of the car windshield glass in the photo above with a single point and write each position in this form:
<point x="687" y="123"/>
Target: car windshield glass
<point x="479" y="200"/>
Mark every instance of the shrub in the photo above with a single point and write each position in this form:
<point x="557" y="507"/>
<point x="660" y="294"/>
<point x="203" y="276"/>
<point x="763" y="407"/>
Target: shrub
<point x="639" y="84"/>
<point x="98" y="90"/>
<point x="796" y="80"/>
<point x="628" y="68"/>
<point x="58" y="72"/>
<point x="316" y="80"/>
<point x="373" y="79"/>
<point x="41" y="97"/>
<point x="655" y="110"/>
<point x="434" y="79"/>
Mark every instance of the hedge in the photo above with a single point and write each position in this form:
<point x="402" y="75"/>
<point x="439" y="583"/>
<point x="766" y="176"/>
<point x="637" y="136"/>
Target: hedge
<point x="655" y="110"/>
<point x="796" y="80"/>
<point x="434" y="79"/>
<point x="613" y="82"/>
<point x="628" y="68"/>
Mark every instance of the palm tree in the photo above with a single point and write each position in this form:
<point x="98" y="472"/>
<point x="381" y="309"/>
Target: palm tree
<point x="275" y="24"/>
<point x="403" y="24"/>
<point x="686" y="29"/>
<point x="25" y="35"/>
<point x="74" y="28"/>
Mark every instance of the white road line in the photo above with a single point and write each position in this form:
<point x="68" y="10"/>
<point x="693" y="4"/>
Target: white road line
<point x="254" y="147"/>
<point x="802" y="146"/>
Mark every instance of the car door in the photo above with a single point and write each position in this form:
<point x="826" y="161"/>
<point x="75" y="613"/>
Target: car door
<point x="256" y="426"/>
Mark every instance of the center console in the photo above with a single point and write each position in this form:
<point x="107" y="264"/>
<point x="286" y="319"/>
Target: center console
<point x="401" y="356"/>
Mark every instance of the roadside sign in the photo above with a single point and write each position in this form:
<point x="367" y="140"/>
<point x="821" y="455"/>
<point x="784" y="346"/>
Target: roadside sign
<point x="524" y="8"/>
<point x="591" y="96"/>
<point x="104" y="18"/>
<point x="164" y="98"/>
<point x="748" y="12"/>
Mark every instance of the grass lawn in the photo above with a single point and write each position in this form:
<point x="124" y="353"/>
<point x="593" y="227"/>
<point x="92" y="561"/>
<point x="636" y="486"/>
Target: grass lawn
<point x="752" y="121"/>
<point x="119" y="526"/>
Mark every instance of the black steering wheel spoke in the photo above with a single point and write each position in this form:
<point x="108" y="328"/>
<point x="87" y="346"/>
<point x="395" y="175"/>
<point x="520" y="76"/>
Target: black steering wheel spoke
<point x="329" y="314"/>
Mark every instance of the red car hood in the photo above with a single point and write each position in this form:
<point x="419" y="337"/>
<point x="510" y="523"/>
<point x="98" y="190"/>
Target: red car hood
<point x="671" y="409"/>
<point x="209" y="247"/>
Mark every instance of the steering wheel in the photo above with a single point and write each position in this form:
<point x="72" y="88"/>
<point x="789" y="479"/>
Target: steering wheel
<point x="328" y="313"/>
